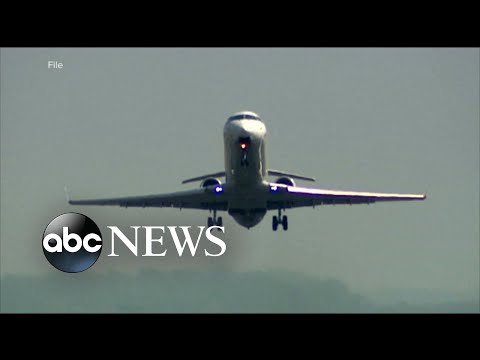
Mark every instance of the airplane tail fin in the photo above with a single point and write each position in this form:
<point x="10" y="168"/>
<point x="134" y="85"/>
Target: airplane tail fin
<point x="293" y="176"/>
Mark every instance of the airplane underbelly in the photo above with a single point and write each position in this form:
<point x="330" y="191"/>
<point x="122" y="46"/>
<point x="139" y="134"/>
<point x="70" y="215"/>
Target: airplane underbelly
<point x="247" y="203"/>
<point x="248" y="218"/>
<point x="248" y="207"/>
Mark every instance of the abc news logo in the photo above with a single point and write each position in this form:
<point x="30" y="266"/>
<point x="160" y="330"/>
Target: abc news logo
<point x="72" y="242"/>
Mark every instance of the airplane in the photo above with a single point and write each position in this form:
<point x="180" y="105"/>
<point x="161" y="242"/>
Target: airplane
<point x="246" y="194"/>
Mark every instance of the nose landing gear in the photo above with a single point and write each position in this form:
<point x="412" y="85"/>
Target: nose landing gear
<point x="244" y="161"/>
<point x="244" y="145"/>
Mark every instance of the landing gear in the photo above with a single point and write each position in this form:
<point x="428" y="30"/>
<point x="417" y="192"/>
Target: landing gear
<point x="214" y="221"/>
<point x="244" y="161"/>
<point x="276" y="220"/>
<point x="274" y="223"/>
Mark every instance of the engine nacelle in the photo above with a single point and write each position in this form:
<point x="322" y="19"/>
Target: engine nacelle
<point x="286" y="181"/>
<point x="210" y="182"/>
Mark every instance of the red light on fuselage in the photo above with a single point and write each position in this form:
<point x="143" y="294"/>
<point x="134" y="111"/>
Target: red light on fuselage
<point x="243" y="146"/>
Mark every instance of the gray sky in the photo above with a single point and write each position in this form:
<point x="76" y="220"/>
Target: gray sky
<point x="118" y="122"/>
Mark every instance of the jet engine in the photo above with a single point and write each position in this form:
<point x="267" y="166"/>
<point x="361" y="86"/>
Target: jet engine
<point x="210" y="182"/>
<point x="286" y="181"/>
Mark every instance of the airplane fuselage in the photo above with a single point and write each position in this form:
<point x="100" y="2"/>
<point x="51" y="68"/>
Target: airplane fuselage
<point x="245" y="170"/>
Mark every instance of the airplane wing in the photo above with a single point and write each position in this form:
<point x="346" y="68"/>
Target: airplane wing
<point x="282" y="196"/>
<point x="204" y="198"/>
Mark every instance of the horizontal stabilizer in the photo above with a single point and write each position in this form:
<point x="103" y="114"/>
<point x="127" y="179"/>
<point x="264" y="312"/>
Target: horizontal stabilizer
<point x="203" y="177"/>
<point x="293" y="176"/>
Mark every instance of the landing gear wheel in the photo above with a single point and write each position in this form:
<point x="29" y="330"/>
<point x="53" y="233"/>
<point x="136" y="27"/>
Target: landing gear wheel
<point x="219" y="221"/>
<point x="285" y="222"/>
<point x="210" y="221"/>
<point x="274" y="223"/>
